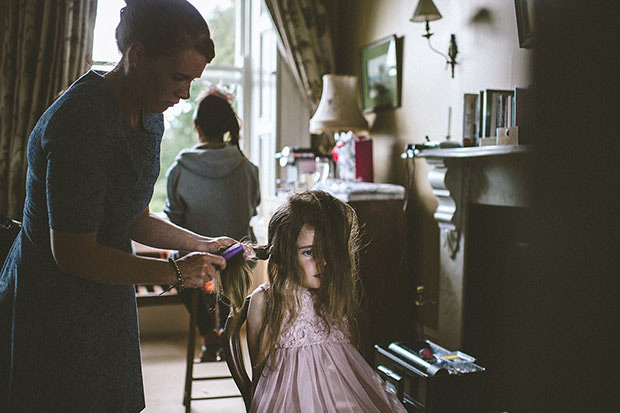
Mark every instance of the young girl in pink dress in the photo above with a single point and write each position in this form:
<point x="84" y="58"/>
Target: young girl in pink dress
<point x="302" y="325"/>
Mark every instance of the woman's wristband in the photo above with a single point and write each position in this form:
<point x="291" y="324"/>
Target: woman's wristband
<point x="180" y="284"/>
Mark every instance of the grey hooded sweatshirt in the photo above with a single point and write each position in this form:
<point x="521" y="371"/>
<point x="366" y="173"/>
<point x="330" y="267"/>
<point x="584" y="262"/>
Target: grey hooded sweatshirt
<point x="213" y="192"/>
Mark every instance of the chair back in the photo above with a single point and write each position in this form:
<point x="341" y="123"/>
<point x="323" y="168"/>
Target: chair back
<point x="234" y="356"/>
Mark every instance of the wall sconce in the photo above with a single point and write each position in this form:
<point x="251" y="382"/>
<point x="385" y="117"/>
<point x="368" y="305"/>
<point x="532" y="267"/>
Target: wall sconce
<point x="426" y="11"/>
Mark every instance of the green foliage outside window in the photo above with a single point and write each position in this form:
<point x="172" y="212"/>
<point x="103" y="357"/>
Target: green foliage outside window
<point x="180" y="132"/>
<point x="222" y="26"/>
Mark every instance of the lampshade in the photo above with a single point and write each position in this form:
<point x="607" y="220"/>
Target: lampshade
<point x="338" y="108"/>
<point x="426" y="11"/>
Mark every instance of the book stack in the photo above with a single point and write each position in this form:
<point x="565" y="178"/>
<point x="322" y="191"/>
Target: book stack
<point x="492" y="110"/>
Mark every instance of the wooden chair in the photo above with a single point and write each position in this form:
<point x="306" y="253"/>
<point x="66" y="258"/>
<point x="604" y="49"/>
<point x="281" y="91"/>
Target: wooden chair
<point x="151" y="295"/>
<point x="234" y="356"/>
<point x="191" y="348"/>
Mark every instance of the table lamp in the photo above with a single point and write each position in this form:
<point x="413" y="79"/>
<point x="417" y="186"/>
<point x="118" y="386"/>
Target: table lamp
<point x="338" y="109"/>
<point x="339" y="113"/>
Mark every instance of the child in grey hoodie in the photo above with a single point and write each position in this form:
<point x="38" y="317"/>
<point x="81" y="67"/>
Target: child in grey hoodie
<point x="213" y="190"/>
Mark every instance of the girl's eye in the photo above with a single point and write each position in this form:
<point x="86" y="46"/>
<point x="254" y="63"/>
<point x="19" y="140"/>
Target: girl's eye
<point x="307" y="253"/>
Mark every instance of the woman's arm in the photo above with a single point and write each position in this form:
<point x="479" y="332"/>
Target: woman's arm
<point x="151" y="230"/>
<point x="174" y="207"/>
<point x="81" y="255"/>
<point x="258" y="351"/>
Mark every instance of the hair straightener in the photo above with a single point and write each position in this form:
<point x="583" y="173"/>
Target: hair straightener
<point x="231" y="251"/>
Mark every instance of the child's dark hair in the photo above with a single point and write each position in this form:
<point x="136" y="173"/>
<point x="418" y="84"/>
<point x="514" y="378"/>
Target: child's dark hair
<point x="215" y="116"/>
<point x="164" y="27"/>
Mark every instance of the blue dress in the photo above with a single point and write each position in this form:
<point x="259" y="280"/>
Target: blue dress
<point x="66" y="343"/>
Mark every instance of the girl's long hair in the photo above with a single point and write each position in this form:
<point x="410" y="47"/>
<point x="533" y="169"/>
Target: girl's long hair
<point x="336" y="253"/>
<point x="233" y="284"/>
<point x="336" y="250"/>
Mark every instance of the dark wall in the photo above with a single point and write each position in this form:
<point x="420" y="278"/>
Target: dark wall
<point x="498" y="250"/>
<point x="569" y="361"/>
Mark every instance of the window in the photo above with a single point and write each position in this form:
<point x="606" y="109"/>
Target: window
<point x="231" y="70"/>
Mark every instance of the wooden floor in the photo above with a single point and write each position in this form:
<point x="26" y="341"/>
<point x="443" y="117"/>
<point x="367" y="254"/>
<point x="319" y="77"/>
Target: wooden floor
<point x="163" y="369"/>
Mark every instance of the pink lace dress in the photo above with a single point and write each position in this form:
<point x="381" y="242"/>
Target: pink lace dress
<point x="313" y="369"/>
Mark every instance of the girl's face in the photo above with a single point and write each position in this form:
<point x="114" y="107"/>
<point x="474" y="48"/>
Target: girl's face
<point x="310" y="277"/>
<point x="167" y="79"/>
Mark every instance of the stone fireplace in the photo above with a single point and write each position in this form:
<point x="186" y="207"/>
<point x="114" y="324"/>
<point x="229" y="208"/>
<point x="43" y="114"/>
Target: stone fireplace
<point x="484" y="195"/>
<point x="468" y="183"/>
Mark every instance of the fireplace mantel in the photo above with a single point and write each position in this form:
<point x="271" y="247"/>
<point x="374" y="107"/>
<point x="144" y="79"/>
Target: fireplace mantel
<point x="460" y="177"/>
<point x="487" y="175"/>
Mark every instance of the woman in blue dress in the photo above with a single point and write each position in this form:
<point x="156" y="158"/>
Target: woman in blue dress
<point x="68" y="324"/>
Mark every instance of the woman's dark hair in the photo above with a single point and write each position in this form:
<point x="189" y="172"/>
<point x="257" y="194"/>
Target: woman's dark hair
<point x="215" y="117"/>
<point x="164" y="27"/>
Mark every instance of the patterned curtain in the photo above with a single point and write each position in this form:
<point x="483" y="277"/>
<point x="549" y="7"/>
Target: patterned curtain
<point x="45" y="46"/>
<point x="305" y="32"/>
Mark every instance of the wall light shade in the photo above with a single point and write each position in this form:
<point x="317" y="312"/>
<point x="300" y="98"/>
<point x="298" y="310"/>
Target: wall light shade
<point x="426" y="11"/>
<point x="338" y="108"/>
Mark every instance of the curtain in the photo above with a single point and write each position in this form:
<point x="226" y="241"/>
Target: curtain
<point x="45" y="46"/>
<point x="305" y="38"/>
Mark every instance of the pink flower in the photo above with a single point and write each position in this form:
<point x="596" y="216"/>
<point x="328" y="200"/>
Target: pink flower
<point x="214" y="90"/>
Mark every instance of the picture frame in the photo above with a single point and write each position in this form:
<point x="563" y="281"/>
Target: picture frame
<point x="380" y="65"/>
<point x="524" y="10"/>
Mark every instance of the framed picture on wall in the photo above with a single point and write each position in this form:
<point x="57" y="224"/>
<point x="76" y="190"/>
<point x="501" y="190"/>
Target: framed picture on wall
<point x="381" y="74"/>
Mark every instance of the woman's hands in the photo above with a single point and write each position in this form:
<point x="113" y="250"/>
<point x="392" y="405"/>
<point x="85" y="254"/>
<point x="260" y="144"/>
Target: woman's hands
<point x="214" y="245"/>
<point x="197" y="268"/>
